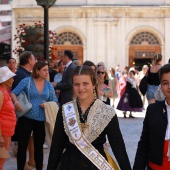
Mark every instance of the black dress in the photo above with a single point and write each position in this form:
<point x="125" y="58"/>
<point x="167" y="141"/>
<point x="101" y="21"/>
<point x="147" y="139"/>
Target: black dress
<point x="73" y="159"/>
<point x="133" y="102"/>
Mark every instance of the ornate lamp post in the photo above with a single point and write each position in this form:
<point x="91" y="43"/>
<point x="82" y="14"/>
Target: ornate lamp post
<point x="46" y="4"/>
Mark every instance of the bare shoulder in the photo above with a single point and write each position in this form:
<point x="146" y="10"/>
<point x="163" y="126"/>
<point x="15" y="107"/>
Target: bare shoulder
<point x="1" y="95"/>
<point x="155" y="68"/>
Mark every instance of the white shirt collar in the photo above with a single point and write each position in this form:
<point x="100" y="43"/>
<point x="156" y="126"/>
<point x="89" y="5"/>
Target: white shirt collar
<point x="68" y="64"/>
<point x="168" y="106"/>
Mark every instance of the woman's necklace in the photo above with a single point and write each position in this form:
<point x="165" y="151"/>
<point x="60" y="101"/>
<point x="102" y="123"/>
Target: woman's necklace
<point x="83" y="116"/>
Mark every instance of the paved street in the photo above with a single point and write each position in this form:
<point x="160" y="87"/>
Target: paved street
<point x="131" y="130"/>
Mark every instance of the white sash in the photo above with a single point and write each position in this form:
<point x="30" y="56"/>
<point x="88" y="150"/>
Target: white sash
<point x="79" y="139"/>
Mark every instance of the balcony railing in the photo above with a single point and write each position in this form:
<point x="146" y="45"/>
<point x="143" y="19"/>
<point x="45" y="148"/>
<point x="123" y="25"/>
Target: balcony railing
<point x="5" y="7"/>
<point x="6" y="18"/>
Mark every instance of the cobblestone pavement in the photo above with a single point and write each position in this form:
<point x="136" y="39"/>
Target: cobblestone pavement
<point x="131" y="130"/>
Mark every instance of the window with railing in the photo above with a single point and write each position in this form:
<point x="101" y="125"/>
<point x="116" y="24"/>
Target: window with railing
<point x="68" y="37"/>
<point x="141" y="37"/>
<point x="146" y="54"/>
<point x="60" y="54"/>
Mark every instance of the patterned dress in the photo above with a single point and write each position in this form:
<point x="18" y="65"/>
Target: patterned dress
<point x="130" y="100"/>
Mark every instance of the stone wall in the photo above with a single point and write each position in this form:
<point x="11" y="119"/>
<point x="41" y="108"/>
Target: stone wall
<point x="105" y="31"/>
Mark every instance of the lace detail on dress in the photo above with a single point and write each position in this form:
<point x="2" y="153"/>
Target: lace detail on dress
<point x="98" y="118"/>
<point x="159" y="96"/>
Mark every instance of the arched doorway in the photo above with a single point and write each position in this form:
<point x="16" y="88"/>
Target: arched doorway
<point x="143" y="46"/>
<point x="68" y="41"/>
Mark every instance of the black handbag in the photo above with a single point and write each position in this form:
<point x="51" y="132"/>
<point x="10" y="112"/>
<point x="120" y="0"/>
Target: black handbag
<point x="143" y="85"/>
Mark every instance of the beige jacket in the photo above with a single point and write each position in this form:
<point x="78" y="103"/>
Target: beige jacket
<point x="51" y="110"/>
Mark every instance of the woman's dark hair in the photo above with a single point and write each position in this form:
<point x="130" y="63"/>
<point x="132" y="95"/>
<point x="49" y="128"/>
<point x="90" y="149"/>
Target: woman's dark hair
<point x="90" y="63"/>
<point x="24" y="58"/>
<point x="86" y="70"/>
<point x="69" y="54"/>
<point x="61" y="61"/>
<point x="38" y="66"/>
<point x="157" y="58"/>
<point x="163" y="70"/>
<point x="106" y="77"/>
<point x="113" y="71"/>
<point x="11" y="59"/>
<point x="56" y="64"/>
<point x="132" y="71"/>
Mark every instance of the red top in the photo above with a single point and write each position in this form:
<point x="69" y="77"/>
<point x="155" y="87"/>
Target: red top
<point x="7" y="115"/>
<point x="122" y="86"/>
<point x="165" y="163"/>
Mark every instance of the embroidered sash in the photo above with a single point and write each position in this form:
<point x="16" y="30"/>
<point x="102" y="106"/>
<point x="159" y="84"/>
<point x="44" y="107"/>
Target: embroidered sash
<point x="98" y="118"/>
<point x="71" y="119"/>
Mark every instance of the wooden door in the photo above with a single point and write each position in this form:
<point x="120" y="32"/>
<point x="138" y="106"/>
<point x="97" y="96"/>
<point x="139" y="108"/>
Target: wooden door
<point x="142" y="52"/>
<point x="76" y="50"/>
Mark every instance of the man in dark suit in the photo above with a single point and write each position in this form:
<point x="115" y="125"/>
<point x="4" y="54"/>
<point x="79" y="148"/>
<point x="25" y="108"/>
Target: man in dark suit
<point x="153" y="148"/>
<point x="66" y="84"/>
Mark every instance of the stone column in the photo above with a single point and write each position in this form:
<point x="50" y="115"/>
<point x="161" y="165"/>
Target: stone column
<point x="100" y="39"/>
<point x="113" y="53"/>
<point x="90" y="34"/>
<point x="110" y="44"/>
<point x="121" y="31"/>
<point x="127" y="55"/>
<point x="165" y="47"/>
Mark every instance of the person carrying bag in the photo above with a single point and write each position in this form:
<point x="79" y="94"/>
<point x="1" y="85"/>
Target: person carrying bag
<point x="41" y="91"/>
<point x="24" y="102"/>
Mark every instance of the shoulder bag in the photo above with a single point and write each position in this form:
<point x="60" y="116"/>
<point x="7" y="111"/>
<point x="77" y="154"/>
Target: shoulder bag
<point x="24" y="102"/>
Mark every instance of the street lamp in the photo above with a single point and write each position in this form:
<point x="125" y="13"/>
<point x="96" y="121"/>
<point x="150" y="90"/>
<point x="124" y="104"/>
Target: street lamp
<point x="46" y="4"/>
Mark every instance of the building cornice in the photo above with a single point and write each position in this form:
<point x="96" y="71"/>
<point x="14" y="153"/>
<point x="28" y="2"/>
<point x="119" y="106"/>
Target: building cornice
<point x="96" y="8"/>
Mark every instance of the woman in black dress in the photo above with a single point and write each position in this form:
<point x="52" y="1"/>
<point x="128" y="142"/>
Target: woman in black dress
<point x="95" y="120"/>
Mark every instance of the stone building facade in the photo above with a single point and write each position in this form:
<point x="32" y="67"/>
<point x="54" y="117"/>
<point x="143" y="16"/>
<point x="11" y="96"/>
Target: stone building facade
<point x="114" y="31"/>
<point x="5" y="31"/>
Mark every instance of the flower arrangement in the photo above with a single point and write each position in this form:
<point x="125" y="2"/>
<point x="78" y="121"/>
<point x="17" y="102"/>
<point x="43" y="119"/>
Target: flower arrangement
<point x="31" y="38"/>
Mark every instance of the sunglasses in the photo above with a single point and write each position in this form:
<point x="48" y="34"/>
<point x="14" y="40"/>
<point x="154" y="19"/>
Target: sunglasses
<point x="100" y="72"/>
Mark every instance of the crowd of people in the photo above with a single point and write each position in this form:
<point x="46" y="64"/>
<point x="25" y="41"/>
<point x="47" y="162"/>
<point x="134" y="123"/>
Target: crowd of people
<point x="86" y="121"/>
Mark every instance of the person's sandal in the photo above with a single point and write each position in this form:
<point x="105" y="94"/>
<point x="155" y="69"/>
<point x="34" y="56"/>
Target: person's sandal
<point x="31" y="165"/>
